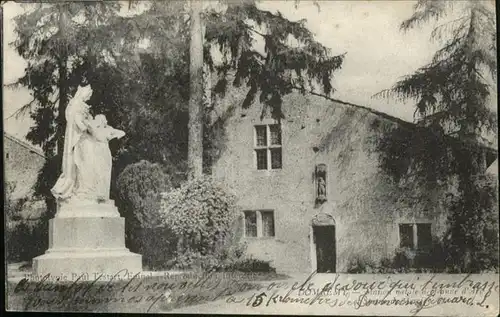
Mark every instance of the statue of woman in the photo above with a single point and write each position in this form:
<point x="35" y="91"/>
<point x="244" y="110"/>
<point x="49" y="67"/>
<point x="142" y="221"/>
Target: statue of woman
<point x="77" y="114"/>
<point x="93" y="160"/>
<point x="86" y="168"/>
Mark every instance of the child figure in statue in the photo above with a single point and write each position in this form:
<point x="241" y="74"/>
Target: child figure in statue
<point x="93" y="160"/>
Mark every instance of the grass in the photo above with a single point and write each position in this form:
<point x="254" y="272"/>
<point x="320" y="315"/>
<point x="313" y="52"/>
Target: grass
<point x="138" y="295"/>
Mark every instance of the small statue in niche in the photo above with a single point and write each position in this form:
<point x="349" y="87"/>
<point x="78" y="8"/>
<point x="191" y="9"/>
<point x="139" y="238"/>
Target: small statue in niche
<point x="321" y="183"/>
<point x="321" y="188"/>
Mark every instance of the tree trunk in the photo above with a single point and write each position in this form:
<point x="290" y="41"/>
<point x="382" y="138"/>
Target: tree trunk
<point x="62" y="85"/>
<point x="195" y="136"/>
<point x="63" y="102"/>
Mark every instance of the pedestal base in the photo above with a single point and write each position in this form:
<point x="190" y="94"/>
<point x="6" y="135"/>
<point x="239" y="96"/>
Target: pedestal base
<point x="87" y="248"/>
<point x="87" y="265"/>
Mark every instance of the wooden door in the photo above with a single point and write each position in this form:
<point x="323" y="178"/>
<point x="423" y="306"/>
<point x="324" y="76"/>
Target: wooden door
<point x="324" y="237"/>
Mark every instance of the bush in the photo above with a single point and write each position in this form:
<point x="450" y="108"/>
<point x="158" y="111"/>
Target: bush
<point x="249" y="265"/>
<point x="404" y="261"/>
<point x="433" y="260"/>
<point x="156" y="245"/>
<point x="471" y="242"/>
<point x="360" y="265"/>
<point x="20" y="231"/>
<point x="204" y="218"/>
<point x="139" y="188"/>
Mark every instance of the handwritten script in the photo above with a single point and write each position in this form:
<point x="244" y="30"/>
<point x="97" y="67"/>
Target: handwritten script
<point x="407" y="294"/>
<point x="417" y="293"/>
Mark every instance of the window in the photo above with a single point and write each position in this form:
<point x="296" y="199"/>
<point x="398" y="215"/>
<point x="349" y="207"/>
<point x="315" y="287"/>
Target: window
<point x="275" y="158"/>
<point x="267" y="223"/>
<point x="250" y="224"/>
<point x="415" y="236"/>
<point x="268" y="150"/>
<point x="406" y="236"/>
<point x="259" y="223"/>
<point x="261" y="132"/>
<point x="275" y="133"/>
<point x="261" y="159"/>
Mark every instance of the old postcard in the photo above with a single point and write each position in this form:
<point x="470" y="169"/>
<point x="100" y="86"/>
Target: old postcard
<point x="251" y="157"/>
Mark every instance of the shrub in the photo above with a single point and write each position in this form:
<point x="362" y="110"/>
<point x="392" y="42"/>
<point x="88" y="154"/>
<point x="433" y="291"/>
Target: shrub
<point x="471" y="242"/>
<point x="360" y="265"/>
<point x="406" y="261"/>
<point x="20" y="231"/>
<point x="249" y="265"/>
<point x="156" y="245"/>
<point x="139" y="188"/>
<point x="203" y="216"/>
<point x="433" y="260"/>
<point x="402" y="261"/>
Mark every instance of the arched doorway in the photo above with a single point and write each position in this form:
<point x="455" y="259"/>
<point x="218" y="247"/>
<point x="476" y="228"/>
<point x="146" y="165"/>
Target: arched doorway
<point x="324" y="244"/>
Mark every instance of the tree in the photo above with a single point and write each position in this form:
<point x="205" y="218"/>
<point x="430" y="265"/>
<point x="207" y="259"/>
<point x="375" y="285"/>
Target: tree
<point x="195" y="139"/>
<point x="271" y="74"/>
<point x="455" y="86"/>
<point x="452" y="97"/>
<point x="51" y="38"/>
<point x="143" y="89"/>
<point x="143" y="92"/>
<point x="143" y="86"/>
<point x="292" y="58"/>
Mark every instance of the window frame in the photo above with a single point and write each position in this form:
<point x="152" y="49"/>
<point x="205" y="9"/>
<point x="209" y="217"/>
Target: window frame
<point x="268" y="147"/>
<point x="415" y="236"/>
<point x="259" y="223"/>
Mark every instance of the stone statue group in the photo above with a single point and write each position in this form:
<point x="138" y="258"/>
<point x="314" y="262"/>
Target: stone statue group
<point x="86" y="163"/>
<point x="87" y="234"/>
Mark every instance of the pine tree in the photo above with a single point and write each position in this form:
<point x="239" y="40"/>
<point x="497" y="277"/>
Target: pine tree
<point x="51" y="38"/>
<point x="54" y="38"/>
<point x="292" y="59"/>
<point x="453" y="90"/>
<point x="453" y="95"/>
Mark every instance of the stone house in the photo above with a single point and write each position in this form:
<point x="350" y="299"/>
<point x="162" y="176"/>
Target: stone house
<point x="311" y="190"/>
<point x="22" y="162"/>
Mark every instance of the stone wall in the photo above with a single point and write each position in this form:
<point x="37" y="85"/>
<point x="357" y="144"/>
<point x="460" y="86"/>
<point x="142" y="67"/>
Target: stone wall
<point x="366" y="204"/>
<point x="22" y="162"/>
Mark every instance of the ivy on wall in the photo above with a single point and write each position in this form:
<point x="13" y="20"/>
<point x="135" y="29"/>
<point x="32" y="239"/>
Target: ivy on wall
<point x="429" y="159"/>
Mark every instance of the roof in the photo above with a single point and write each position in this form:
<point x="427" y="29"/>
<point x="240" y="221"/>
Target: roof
<point x="491" y="152"/>
<point x="24" y="144"/>
<point x="493" y="169"/>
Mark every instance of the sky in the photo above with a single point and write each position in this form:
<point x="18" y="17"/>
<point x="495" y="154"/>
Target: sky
<point x="378" y="53"/>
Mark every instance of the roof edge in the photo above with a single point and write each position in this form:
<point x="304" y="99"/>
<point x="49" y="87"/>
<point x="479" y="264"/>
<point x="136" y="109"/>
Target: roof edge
<point x="397" y="120"/>
<point x="24" y="144"/>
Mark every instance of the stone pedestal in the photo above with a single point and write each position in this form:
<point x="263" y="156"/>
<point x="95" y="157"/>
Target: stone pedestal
<point x="87" y="239"/>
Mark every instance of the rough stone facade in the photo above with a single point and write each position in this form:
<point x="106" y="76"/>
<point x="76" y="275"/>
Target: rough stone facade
<point x="22" y="162"/>
<point x="363" y="204"/>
